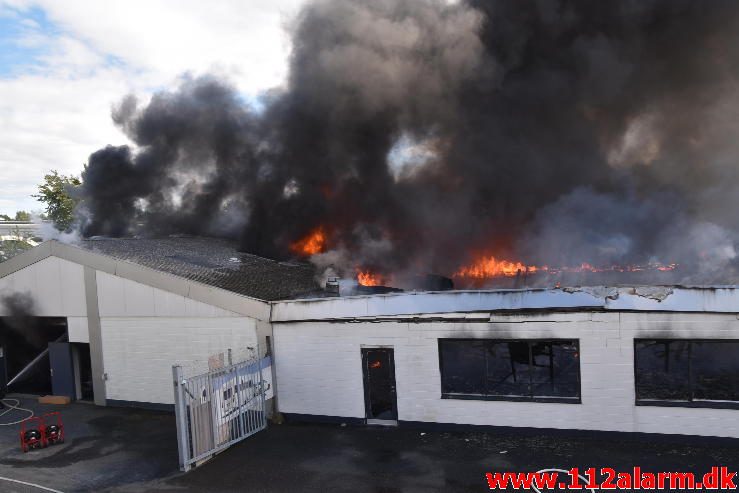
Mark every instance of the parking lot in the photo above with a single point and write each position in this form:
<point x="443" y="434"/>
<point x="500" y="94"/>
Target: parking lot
<point x="104" y="447"/>
<point x="113" y="449"/>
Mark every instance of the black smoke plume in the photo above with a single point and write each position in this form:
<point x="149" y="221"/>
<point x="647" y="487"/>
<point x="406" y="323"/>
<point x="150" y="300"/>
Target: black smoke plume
<point x="19" y="318"/>
<point x="24" y="335"/>
<point x="419" y="133"/>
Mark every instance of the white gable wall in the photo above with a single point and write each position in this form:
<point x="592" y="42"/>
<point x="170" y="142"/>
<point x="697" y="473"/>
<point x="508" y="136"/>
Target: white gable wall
<point x="56" y="285"/>
<point x="120" y="297"/>
<point x="57" y="289"/>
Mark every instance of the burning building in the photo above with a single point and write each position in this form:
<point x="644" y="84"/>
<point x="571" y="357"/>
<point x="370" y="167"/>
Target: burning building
<point x="473" y="140"/>
<point x="651" y="359"/>
<point x="492" y="159"/>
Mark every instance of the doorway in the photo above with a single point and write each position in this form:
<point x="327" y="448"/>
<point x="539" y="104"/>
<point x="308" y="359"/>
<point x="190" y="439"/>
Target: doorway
<point x="380" y="400"/>
<point x="26" y="341"/>
<point x="82" y="371"/>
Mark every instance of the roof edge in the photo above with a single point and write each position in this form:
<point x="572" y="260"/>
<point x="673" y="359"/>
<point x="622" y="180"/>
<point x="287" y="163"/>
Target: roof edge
<point x="197" y="291"/>
<point x="24" y="259"/>
<point x="602" y="298"/>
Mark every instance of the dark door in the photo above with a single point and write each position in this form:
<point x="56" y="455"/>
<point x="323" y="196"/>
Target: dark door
<point x="379" y="384"/>
<point x="62" y="369"/>
<point x="84" y="378"/>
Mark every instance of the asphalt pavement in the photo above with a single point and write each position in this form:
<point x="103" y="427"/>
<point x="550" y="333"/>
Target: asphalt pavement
<point x="133" y="450"/>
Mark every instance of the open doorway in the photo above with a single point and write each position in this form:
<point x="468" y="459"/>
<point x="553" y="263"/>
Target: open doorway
<point x="82" y="371"/>
<point x="25" y="341"/>
<point x="378" y="367"/>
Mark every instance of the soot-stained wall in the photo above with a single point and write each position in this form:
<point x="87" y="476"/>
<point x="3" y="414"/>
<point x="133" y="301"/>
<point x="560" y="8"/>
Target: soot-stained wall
<point x="319" y="370"/>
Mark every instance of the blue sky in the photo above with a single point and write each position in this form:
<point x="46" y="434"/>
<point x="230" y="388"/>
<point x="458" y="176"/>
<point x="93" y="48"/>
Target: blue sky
<point x="64" y="63"/>
<point x="15" y="55"/>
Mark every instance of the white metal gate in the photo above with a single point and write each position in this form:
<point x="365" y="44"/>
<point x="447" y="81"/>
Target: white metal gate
<point x="219" y="408"/>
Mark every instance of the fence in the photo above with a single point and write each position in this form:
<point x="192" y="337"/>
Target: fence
<point x="219" y="408"/>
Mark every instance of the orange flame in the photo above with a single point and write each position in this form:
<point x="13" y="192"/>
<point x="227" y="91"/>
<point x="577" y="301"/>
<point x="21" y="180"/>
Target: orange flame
<point x="488" y="266"/>
<point x="368" y="278"/>
<point x="313" y="243"/>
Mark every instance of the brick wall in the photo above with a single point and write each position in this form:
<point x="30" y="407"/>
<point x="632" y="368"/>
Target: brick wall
<point x="318" y="368"/>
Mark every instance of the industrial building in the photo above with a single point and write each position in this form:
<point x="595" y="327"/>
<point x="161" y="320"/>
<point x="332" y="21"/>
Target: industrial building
<point x="651" y="359"/>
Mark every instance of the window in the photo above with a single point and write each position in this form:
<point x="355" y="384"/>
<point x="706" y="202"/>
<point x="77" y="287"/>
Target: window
<point x="695" y="373"/>
<point x="538" y="370"/>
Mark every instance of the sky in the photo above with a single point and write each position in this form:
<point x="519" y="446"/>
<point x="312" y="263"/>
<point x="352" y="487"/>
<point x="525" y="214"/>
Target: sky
<point x="65" y="63"/>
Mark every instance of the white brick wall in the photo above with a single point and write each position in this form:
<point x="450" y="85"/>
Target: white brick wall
<point x="318" y="368"/>
<point x="139" y="351"/>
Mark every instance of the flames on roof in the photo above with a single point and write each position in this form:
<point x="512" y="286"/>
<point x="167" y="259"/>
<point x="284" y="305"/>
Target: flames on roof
<point x="487" y="141"/>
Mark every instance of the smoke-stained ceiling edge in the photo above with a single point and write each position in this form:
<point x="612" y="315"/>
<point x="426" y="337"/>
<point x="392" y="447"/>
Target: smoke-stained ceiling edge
<point x="714" y="299"/>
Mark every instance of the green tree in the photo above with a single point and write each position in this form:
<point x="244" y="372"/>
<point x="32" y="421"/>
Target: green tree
<point x="22" y="216"/>
<point x="5" y="217"/>
<point x="11" y="248"/>
<point x="60" y="204"/>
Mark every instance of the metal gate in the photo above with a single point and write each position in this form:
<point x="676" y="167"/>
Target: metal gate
<point x="219" y="408"/>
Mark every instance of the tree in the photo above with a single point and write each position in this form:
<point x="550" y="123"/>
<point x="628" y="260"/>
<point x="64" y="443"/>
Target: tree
<point x="11" y="248"/>
<point x="5" y="217"/>
<point x="23" y="216"/>
<point x="56" y="193"/>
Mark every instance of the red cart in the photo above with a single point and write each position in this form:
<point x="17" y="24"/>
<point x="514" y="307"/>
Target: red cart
<point x="32" y="434"/>
<point x="53" y="428"/>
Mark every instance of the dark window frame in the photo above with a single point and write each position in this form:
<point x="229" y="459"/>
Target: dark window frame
<point x="691" y="402"/>
<point x="512" y="398"/>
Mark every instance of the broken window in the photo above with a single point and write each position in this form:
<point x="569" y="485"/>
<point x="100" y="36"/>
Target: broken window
<point x="510" y="369"/>
<point x="662" y="370"/>
<point x="700" y="372"/>
<point x="715" y="369"/>
<point x="464" y="364"/>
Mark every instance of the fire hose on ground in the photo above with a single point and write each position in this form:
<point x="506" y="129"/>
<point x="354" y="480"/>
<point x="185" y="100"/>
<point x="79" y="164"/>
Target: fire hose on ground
<point x="14" y="405"/>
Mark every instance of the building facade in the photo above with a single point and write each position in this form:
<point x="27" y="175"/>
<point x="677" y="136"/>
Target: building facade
<point x="628" y="359"/>
<point x="134" y="321"/>
<point x="534" y="369"/>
